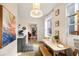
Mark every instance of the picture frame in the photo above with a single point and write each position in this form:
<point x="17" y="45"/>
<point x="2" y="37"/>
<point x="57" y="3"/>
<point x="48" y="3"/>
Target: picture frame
<point x="57" y="12"/>
<point x="57" y="23"/>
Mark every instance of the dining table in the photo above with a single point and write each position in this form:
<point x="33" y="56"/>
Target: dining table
<point x="56" y="47"/>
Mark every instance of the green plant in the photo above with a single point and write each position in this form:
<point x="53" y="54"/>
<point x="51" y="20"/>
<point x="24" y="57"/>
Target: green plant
<point x="56" y="37"/>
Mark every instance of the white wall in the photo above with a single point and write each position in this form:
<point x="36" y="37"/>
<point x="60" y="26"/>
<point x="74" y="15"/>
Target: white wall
<point x="10" y="49"/>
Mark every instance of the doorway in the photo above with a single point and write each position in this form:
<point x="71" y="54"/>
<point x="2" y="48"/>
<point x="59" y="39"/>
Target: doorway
<point x="32" y="33"/>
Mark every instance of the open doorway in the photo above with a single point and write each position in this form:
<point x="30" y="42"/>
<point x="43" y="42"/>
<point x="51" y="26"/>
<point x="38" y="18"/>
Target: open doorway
<point x="32" y="33"/>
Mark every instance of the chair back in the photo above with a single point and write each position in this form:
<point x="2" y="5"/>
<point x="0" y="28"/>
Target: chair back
<point x="69" y="52"/>
<point x="76" y="51"/>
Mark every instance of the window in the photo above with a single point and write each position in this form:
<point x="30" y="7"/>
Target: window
<point x="48" y="27"/>
<point x="73" y="18"/>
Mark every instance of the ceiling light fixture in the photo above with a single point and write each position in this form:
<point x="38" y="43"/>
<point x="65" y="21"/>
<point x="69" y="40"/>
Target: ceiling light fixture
<point x="36" y="12"/>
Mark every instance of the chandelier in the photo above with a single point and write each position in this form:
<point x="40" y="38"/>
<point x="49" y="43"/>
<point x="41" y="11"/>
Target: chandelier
<point x="36" y="12"/>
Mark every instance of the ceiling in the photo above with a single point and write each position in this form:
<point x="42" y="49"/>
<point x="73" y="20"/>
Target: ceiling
<point x="25" y="8"/>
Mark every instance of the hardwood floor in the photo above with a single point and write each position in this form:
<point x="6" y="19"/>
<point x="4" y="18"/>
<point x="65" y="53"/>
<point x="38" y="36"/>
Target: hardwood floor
<point x="32" y="41"/>
<point x="29" y="53"/>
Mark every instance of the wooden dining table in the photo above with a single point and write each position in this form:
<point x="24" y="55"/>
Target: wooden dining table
<point x="56" y="47"/>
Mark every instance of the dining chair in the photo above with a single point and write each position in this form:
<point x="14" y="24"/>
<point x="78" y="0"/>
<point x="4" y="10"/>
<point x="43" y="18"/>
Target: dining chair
<point x="76" y="52"/>
<point x="69" y="52"/>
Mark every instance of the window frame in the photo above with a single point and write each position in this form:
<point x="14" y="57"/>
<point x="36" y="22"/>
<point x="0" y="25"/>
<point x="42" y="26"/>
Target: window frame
<point x="75" y="24"/>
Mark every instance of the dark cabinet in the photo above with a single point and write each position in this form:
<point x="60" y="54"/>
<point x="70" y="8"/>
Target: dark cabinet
<point x="21" y="43"/>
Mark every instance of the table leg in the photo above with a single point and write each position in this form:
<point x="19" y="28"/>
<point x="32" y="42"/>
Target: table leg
<point x="55" y="53"/>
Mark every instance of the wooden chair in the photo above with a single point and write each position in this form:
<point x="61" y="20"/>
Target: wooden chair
<point x="69" y="52"/>
<point x="44" y="50"/>
<point x="76" y="51"/>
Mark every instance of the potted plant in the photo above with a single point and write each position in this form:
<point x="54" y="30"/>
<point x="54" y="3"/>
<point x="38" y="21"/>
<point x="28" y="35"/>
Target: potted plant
<point x="56" y="37"/>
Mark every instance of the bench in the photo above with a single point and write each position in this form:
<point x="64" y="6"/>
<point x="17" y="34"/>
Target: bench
<point x="44" y="50"/>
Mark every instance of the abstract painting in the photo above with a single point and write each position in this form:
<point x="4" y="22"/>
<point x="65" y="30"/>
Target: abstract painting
<point x="9" y="27"/>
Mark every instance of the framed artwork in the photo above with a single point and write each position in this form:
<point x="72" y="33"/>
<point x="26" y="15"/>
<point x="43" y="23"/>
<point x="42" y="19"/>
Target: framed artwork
<point x="57" y="12"/>
<point x="9" y="27"/>
<point x="57" y="23"/>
